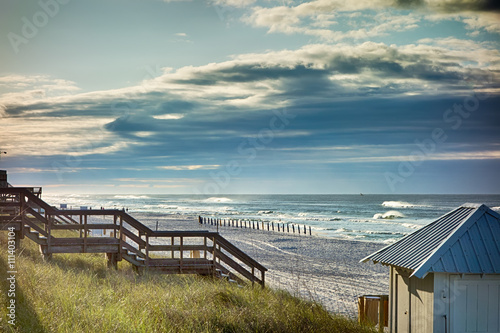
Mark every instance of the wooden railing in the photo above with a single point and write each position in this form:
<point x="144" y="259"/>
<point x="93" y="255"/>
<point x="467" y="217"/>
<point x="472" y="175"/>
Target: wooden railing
<point x="123" y="237"/>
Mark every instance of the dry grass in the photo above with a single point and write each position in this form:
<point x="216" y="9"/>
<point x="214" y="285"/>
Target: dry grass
<point x="77" y="293"/>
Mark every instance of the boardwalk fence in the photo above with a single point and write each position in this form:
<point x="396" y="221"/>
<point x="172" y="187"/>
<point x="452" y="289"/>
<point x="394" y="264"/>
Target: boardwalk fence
<point x="174" y="252"/>
<point x="293" y="228"/>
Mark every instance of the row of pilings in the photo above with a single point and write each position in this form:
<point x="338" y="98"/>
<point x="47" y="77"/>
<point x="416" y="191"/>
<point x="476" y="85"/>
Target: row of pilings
<point x="257" y="225"/>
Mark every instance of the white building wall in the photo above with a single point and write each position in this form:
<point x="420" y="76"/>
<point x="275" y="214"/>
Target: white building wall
<point x="466" y="303"/>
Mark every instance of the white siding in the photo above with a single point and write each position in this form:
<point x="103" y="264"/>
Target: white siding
<point x="476" y="304"/>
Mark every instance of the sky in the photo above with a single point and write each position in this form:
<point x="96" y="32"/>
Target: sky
<point x="251" y="96"/>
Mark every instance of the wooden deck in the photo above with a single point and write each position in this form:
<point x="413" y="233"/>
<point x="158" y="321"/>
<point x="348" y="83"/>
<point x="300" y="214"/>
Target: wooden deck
<point x="122" y="237"/>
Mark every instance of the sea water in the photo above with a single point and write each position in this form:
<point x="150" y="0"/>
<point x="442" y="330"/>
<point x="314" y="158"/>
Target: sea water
<point x="378" y="218"/>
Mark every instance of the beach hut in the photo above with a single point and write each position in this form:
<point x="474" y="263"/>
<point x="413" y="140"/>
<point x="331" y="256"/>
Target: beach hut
<point x="445" y="277"/>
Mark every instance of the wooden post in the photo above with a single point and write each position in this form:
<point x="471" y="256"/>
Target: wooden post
<point x="205" y="248"/>
<point x="272" y="223"/>
<point x="181" y="254"/>
<point x="81" y="224"/>
<point x="293" y="228"/>
<point x="310" y="231"/>
<point x="84" y="233"/>
<point x="382" y="312"/>
<point x="112" y="260"/>
<point x="147" y="252"/>
<point x="253" y="275"/>
<point x="172" y="255"/>
<point x="214" y="256"/>
<point x="287" y="228"/>
<point x="122" y="236"/>
<point x="361" y="310"/>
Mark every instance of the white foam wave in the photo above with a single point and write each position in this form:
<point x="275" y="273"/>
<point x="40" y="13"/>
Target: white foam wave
<point x="496" y="208"/>
<point x="217" y="199"/>
<point x="412" y="226"/>
<point x="131" y="197"/>
<point x="392" y="214"/>
<point x="390" y="240"/>
<point x="399" y="204"/>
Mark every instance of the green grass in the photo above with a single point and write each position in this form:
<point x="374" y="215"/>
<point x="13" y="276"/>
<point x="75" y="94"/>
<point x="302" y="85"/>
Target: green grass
<point x="77" y="293"/>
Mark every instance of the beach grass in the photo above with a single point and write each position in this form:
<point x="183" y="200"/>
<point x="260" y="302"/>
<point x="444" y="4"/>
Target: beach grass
<point x="78" y="293"/>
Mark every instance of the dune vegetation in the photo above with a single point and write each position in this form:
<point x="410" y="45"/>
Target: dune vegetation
<point x="78" y="293"/>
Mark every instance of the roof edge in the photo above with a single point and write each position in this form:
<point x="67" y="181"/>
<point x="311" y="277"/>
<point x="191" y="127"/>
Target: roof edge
<point x="422" y="270"/>
<point x="368" y="258"/>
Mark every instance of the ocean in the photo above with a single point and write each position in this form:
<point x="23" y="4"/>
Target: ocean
<point x="376" y="218"/>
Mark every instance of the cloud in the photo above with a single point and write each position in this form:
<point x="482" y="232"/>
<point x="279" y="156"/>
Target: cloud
<point x="320" y="18"/>
<point x="233" y="3"/>
<point x="196" y="116"/>
<point x="172" y="116"/>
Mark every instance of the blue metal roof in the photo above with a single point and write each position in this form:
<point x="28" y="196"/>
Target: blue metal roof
<point x="465" y="240"/>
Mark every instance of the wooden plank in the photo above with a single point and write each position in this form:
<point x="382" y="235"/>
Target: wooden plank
<point x="36" y="227"/>
<point x="229" y="247"/>
<point x="133" y="249"/>
<point x="134" y="237"/>
<point x="71" y="248"/>
<point x="234" y="265"/>
<point x="176" y="247"/>
<point x="188" y="233"/>
<point x="67" y="227"/>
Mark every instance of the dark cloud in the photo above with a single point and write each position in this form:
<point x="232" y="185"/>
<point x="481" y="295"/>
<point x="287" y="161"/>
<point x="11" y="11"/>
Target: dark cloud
<point x="451" y="6"/>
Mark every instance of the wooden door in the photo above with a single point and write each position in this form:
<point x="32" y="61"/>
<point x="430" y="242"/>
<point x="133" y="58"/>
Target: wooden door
<point x="402" y="304"/>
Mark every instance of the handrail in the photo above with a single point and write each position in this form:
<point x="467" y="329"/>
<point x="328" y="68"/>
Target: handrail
<point x="28" y="202"/>
<point x="238" y="253"/>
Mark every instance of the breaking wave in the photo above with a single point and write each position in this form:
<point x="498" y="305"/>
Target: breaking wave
<point x="217" y="200"/>
<point x="399" y="204"/>
<point x="131" y="197"/>
<point x="392" y="214"/>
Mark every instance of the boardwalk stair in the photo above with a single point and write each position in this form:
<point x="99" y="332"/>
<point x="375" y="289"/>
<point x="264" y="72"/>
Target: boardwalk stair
<point x="121" y="237"/>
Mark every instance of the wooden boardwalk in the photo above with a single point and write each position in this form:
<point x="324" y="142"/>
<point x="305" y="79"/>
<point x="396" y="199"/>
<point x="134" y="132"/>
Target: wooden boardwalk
<point x="122" y="237"/>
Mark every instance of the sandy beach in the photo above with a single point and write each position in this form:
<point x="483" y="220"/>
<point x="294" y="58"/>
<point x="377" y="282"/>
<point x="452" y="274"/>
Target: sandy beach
<point x="323" y="269"/>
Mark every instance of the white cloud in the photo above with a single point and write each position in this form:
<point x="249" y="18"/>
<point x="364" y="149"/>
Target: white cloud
<point x="173" y="116"/>
<point x="233" y="3"/>
<point x="316" y="18"/>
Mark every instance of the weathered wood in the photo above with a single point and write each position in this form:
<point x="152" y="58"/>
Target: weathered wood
<point x="97" y="248"/>
<point x="167" y="248"/>
<point x="134" y="237"/>
<point x="116" y="247"/>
